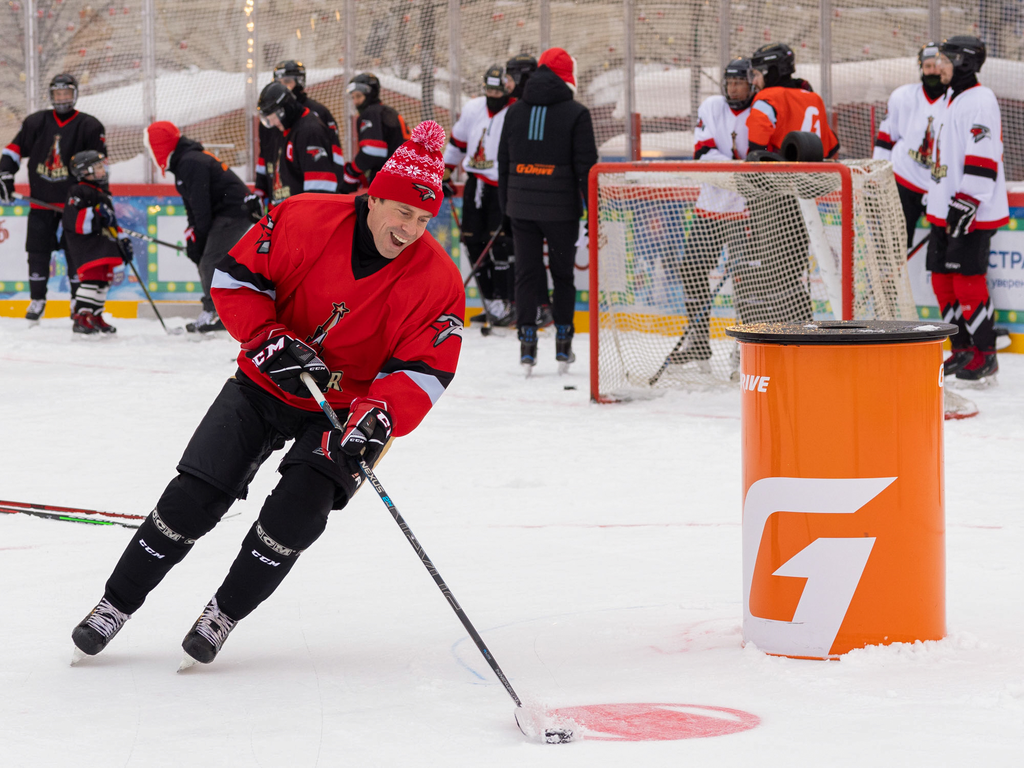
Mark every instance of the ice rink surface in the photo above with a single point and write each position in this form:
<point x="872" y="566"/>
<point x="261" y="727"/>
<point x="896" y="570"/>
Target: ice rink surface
<point x="595" y="548"/>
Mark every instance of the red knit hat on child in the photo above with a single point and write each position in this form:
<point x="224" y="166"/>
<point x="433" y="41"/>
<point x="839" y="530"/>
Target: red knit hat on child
<point x="413" y="174"/>
<point x="561" y="63"/>
<point x="161" y="138"/>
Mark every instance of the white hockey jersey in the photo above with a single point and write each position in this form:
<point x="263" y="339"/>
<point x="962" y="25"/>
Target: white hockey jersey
<point x="967" y="159"/>
<point x="474" y="140"/>
<point x="907" y="135"/>
<point x="720" y="136"/>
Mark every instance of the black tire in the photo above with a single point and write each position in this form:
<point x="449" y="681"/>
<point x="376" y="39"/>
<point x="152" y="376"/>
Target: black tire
<point x="802" y="147"/>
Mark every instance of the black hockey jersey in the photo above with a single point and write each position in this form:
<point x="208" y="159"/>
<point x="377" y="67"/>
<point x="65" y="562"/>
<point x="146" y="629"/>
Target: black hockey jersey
<point x="381" y="131"/>
<point x="90" y="245"/>
<point x="300" y="160"/>
<point x="269" y="136"/>
<point x="208" y="187"/>
<point x="48" y="142"/>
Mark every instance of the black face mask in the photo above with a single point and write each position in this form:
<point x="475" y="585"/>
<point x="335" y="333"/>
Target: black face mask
<point x="933" y="86"/>
<point x="495" y="105"/>
<point x="962" y="80"/>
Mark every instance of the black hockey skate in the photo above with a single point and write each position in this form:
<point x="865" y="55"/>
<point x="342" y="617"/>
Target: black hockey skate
<point x="563" y="347"/>
<point x="36" y="307"/>
<point x="957" y="361"/>
<point x="528" y="347"/>
<point x="982" y="369"/>
<point x="207" y="322"/>
<point x="96" y="630"/>
<point x="204" y="641"/>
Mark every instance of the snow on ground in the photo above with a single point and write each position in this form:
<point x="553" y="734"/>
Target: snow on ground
<point x="596" y="549"/>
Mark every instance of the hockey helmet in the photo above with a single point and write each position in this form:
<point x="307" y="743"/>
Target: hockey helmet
<point x="775" y="61"/>
<point x="293" y="69"/>
<point x="276" y="99"/>
<point x="84" y="163"/>
<point x="738" y="69"/>
<point x="63" y="82"/>
<point x="928" y="51"/>
<point x="967" y="53"/>
<point x="367" y="84"/>
<point x="515" y="67"/>
<point x="494" y="77"/>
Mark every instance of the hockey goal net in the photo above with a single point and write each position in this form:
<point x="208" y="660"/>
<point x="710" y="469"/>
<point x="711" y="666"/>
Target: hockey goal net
<point x="681" y="251"/>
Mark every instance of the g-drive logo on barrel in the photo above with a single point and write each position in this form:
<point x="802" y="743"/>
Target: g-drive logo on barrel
<point x="832" y="566"/>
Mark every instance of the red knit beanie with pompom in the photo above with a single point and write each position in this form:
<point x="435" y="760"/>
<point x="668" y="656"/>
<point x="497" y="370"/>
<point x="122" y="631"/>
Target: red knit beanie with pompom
<point x="413" y="174"/>
<point x="161" y="139"/>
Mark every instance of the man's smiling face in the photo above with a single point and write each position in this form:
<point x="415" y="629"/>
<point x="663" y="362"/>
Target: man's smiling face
<point x="394" y="225"/>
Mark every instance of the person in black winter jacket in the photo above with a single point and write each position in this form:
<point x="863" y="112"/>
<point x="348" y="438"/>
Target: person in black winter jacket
<point x="219" y="206"/>
<point x="547" y="149"/>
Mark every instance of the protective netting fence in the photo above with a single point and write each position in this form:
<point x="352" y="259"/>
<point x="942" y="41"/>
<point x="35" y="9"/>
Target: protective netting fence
<point x="685" y="250"/>
<point x="201" y="65"/>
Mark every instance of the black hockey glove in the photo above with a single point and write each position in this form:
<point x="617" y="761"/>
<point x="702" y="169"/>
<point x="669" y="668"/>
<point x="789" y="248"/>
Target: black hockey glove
<point x="367" y="429"/>
<point x="125" y="246"/>
<point x="105" y="218"/>
<point x="192" y="249"/>
<point x="283" y="358"/>
<point x="447" y="188"/>
<point x="960" y="216"/>
<point x="254" y="207"/>
<point x="6" y="187"/>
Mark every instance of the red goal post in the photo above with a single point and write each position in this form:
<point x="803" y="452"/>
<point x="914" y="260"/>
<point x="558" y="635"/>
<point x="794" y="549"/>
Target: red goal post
<point x="646" y="216"/>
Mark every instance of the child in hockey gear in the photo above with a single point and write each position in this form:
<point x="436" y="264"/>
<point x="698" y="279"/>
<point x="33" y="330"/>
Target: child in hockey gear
<point x="303" y="151"/>
<point x="346" y="289"/>
<point x="219" y="207"/>
<point x="966" y="202"/>
<point x="907" y="134"/>
<point x="473" y="146"/>
<point x="94" y="247"/>
<point x="48" y="139"/>
<point x="546" y="151"/>
<point x="381" y="130"/>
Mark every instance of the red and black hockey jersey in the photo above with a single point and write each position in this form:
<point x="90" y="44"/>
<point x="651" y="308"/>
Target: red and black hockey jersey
<point x="268" y="138"/>
<point x="301" y="159"/>
<point x="393" y="335"/>
<point x="48" y="142"/>
<point x="91" y="249"/>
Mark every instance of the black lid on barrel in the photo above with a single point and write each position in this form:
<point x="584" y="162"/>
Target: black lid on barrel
<point x="837" y="332"/>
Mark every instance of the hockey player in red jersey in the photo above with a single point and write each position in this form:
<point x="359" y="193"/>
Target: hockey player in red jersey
<point x="907" y="134"/>
<point x="966" y="203"/>
<point x="351" y="290"/>
<point x="94" y="246"/>
<point x="47" y="140"/>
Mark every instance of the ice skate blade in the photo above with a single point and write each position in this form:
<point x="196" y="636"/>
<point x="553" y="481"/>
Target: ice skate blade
<point x="187" y="662"/>
<point x="32" y="323"/>
<point x="77" y="654"/>
<point x="563" y="368"/>
<point x="527" y="369"/>
<point x="985" y="383"/>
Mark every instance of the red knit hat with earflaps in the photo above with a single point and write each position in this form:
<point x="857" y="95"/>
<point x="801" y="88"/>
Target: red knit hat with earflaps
<point x="413" y="174"/>
<point x="161" y="138"/>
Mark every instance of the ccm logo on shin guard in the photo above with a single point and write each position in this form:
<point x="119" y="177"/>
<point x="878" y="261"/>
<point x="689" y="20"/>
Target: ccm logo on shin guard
<point x="262" y="559"/>
<point x="150" y="550"/>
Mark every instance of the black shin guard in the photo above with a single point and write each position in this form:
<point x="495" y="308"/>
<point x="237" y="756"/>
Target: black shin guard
<point x="188" y="508"/>
<point x="292" y="518"/>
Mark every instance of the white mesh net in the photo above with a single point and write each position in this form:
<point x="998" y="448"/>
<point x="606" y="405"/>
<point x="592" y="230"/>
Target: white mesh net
<point x="685" y="250"/>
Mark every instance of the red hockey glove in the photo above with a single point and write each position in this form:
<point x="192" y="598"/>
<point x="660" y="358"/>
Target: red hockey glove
<point x="284" y="358"/>
<point x="367" y="429"/>
<point x="960" y="216"/>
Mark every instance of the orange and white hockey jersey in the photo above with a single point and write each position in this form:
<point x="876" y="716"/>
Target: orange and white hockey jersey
<point x="778" y="110"/>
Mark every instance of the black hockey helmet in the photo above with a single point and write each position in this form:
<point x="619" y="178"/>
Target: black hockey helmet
<point x="520" y="64"/>
<point x="83" y="163"/>
<point x="277" y="99"/>
<point x="63" y="82"/>
<point x="965" y="51"/>
<point x="738" y="69"/>
<point x="293" y="69"/>
<point x="367" y="84"/>
<point x="494" y="77"/>
<point x="928" y="51"/>
<point x="775" y="61"/>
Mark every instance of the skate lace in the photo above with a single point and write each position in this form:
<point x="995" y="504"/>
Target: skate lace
<point x="36" y="305"/>
<point x="106" y="619"/>
<point x="214" y="626"/>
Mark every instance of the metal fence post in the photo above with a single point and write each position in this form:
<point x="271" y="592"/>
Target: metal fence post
<point x="252" y="87"/>
<point x="825" y="16"/>
<point x="628" y="75"/>
<point x="724" y="32"/>
<point x="31" y="62"/>
<point x="148" y="76"/>
<point x="935" y="20"/>
<point x="454" y="61"/>
<point x="545" y="25"/>
<point x="350" y="69"/>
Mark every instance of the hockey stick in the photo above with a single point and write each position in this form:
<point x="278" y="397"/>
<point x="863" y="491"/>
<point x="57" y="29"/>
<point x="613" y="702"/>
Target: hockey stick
<point x="550" y="735"/>
<point x="917" y="247"/>
<point x="142" y="285"/>
<point x="130" y="232"/>
<point x="66" y="518"/>
<point x="20" y="505"/>
<point x="486" y="330"/>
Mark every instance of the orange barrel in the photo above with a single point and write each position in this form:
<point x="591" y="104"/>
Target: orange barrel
<point x="843" y="510"/>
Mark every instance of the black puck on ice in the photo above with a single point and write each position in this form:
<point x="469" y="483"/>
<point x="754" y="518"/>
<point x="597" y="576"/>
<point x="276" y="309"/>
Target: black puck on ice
<point x="569" y="386"/>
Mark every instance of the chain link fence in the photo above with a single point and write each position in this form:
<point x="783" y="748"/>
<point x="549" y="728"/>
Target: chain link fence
<point x="202" y="65"/>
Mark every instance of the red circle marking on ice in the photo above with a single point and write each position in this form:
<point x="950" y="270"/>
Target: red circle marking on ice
<point x="657" y="722"/>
